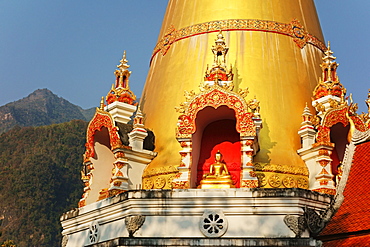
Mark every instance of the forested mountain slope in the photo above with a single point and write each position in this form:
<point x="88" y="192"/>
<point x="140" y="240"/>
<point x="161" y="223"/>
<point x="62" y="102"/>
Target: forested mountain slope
<point x="39" y="180"/>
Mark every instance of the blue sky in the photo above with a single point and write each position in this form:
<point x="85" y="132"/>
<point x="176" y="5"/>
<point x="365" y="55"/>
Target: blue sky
<point x="73" y="47"/>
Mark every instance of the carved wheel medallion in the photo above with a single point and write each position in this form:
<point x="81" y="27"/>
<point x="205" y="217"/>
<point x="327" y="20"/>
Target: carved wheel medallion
<point x="275" y="181"/>
<point x="94" y="232"/>
<point x="213" y="224"/>
<point x="302" y="183"/>
<point x="159" y="183"/>
<point x="289" y="182"/>
<point x="148" y="183"/>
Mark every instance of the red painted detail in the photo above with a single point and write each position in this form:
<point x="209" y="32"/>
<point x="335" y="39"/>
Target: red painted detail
<point x="221" y="135"/>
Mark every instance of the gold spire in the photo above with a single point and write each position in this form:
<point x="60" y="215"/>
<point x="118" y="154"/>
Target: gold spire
<point x="329" y="84"/>
<point x="102" y="103"/>
<point x="122" y="73"/>
<point x="120" y="91"/>
<point x="266" y="59"/>
<point x="220" y="50"/>
<point x="123" y="66"/>
<point x="329" y="66"/>
<point x="219" y="71"/>
<point x="306" y="116"/>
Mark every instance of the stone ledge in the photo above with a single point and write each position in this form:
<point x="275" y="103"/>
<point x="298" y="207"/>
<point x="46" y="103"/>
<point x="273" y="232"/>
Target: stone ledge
<point x="123" y="242"/>
<point x="199" y="193"/>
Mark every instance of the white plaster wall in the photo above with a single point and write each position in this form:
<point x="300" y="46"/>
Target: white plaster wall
<point x="103" y="165"/>
<point x="178" y="214"/>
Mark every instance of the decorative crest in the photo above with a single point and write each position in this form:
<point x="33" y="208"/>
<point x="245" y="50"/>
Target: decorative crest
<point x="219" y="72"/>
<point x="329" y="84"/>
<point x="102" y="105"/>
<point x="120" y="91"/>
<point x="138" y="120"/>
<point x="306" y="116"/>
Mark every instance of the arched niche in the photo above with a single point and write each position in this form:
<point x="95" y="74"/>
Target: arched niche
<point x="338" y="136"/>
<point x="215" y="130"/>
<point x="103" y="164"/>
<point x="199" y="114"/>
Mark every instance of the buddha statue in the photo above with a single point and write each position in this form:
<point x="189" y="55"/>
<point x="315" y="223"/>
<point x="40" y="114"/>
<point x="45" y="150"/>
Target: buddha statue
<point x="218" y="176"/>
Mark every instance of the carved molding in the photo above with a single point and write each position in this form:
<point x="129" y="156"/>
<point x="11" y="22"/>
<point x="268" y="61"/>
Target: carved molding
<point x="133" y="223"/>
<point x="310" y="220"/>
<point x="293" y="29"/>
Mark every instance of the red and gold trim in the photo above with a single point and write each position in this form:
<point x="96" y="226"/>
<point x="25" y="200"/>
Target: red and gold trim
<point x="101" y="119"/>
<point x="215" y="98"/>
<point x="293" y="29"/>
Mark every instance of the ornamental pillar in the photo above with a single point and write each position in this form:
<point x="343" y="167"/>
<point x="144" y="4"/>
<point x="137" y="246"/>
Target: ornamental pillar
<point x="138" y="134"/>
<point x="248" y="178"/>
<point x="324" y="179"/>
<point x="119" y="180"/>
<point x="182" y="179"/>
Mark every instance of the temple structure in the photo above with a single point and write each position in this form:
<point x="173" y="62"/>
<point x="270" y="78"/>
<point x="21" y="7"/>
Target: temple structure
<point x="244" y="135"/>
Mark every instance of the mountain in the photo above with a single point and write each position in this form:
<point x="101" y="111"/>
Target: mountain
<point x="41" y="107"/>
<point x="39" y="178"/>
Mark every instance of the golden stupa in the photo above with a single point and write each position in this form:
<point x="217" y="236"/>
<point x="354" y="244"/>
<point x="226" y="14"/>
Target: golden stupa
<point x="275" y="50"/>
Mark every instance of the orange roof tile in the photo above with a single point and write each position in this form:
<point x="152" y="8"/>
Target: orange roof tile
<point x="354" y="214"/>
<point x="360" y="241"/>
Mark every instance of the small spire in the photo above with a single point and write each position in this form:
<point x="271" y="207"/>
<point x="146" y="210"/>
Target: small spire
<point x="120" y="91"/>
<point x="219" y="71"/>
<point x="220" y="50"/>
<point x="102" y="103"/>
<point x="306" y="116"/>
<point x="123" y="63"/>
<point x="138" y="120"/>
<point x="329" y="58"/>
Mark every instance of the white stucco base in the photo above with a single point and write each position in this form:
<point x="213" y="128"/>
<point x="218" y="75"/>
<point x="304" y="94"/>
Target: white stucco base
<point x="178" y="215"/>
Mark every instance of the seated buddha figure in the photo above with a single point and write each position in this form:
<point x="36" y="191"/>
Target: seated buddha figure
<point x="218" y="176"/>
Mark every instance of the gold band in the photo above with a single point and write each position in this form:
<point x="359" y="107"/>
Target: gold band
<point x="293" y="29"/>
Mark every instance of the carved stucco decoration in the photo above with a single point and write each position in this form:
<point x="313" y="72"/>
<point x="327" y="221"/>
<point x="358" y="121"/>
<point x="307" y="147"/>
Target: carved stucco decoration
<point x="281" y="176"/>
<point x="332" y="117"/>
<point x="215" y="97"/>
<point x="101" y="119"/>
<point x="94" y="232"/>
<point x="64" y="240"/>
<point x="293" y="29"/>
<point x="310" y="220"/>
<point x="133" y="223"/>
<point x="213" y="223"/>
<point x="296" y="224"/>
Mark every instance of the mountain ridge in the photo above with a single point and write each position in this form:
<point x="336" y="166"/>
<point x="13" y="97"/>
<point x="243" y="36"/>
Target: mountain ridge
<point x="41" y="107"/>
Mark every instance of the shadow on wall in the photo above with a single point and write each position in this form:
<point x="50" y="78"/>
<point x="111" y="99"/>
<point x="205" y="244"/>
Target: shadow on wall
<point x="266" y="144"/>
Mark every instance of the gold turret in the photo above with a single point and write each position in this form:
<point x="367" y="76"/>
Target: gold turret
<point x="120" y="91"/>
<point x="275" y="49"/>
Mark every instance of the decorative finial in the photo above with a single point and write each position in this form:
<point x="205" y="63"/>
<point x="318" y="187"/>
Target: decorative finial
<point x="219" y="71"/>
<point x="139" y="119"/>
<point x="123" y="62"/>
<point x="120" y="91"/>
<point x="329" y="83"/>
<point x="306" y="116"/>
<point x="368" y="101"/>
<point x="220" y="50"/>
<point x="329" y="58"/>
<point x="102" y="103"/>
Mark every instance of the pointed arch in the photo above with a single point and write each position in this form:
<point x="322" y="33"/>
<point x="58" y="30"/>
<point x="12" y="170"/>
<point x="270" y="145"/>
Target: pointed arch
<point x="215" y="98"/>
<point x="101" y="119"/>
